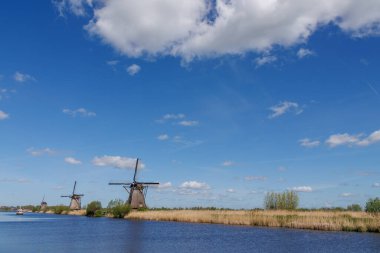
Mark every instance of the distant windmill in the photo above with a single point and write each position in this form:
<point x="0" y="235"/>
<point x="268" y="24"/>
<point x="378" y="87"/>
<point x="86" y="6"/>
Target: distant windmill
<point x="43" y="204"/>
<point x="75" y="203"/>
<point x="137" y="190"/>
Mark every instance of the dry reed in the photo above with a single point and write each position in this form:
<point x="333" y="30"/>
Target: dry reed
<point x="316" y="220"/>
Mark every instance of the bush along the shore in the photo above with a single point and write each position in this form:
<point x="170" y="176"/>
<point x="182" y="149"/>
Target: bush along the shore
<point x="92" y="209"/>
<point x="59" y="209"/>
<point x="287" y="200"/>
<point x="118" y="209"/>
<point x="373" y="205"/>
<point x="354" y="208"/>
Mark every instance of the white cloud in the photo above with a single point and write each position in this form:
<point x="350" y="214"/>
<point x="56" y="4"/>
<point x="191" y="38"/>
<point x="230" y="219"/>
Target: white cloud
<point x="351" y="140"/>
<point x="346" y="194"/>
<point x="264" y="60"/>
<point x="227" y="163"/>
<point x="77" y="7"/>
<point x="171" y="116"/>
<point x="309" y="143"/>
<point x="133" y="69"/>
<point x="302" y="189"/>
<point x="165" y="185"/>
<point x="112" y="62"/>
<point x="186" y="29"/>
<point x="118" y="162"/>
<point x="304" y="52"/>
<point x="18" y="180"/>
<point x="40" y="152"/>
<point x="21" y="77"/>
<point x="3" y="92"/>
<point x="72" y="160"/>
<point x="163" y="137"/>
<point x="231" y="190"/>
<point x="283" y="108"/>
<point x="3" y="115"/>
<point x="194" y="185"/>
<point x="79" y="112"/>
<point x="376" y="185"/>
<point x="188" y="123"/>
<point x="257" y="178"/>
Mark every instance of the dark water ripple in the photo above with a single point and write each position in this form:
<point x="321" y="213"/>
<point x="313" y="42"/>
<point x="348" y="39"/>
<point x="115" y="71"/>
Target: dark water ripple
<point x="58" y="233"/>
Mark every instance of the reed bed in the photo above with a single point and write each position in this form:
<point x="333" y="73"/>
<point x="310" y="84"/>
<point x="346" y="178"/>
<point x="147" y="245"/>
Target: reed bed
<point x="316" y="220"/>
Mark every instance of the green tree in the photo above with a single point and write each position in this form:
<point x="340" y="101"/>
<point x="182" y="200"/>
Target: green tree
<point x="287" y="200"/>
<point x="118" y="208"/>
<point x="354" y="208"/>
<point x="373" y="205"/>
<point x="93" y="207"/>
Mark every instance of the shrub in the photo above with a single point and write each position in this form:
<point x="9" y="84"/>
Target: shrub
<point x="93" y="207"/>
<point x="287" y="200"/>
<point x="373" y="205"/>
<point x="118" y="209"/>
<point x="60" y="209"/>
<point x="354" y="208"/>
<point x="99" y="213"/>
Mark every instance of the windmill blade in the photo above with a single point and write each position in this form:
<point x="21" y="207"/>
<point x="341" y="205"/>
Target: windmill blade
<point x="119" y="183"/>
<point x="66" y="196"/>
<point x="137" y="164"/>
<point x="75" y="184"/>
<point x="78" y="195"/>
<point x="155" y="183"/>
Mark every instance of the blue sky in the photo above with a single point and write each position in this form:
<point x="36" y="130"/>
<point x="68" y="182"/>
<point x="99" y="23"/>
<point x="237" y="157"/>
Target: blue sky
<point x="220" y="108"/>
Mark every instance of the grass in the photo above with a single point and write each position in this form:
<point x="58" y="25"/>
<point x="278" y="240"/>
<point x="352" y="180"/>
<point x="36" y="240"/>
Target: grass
<point x="316" y="220"/>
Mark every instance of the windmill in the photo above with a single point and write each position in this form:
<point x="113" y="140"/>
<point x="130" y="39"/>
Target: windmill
<point x="43" y="204"/>
<point x="75" y="199"/>
<point x="136" y="190"/>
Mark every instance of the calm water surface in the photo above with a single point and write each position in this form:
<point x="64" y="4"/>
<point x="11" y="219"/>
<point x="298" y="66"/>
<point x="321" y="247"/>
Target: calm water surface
<point x="60" y="233"/>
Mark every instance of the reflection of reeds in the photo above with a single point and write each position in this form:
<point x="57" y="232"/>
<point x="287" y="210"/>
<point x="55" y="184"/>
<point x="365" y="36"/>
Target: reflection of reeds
<point x="317" y="220"/>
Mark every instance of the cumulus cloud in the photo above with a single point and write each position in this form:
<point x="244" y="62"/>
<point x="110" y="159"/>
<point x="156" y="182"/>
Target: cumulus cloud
<point x="309" y="143"/>
<point x="166" y="185"/>
<point x="265" y="60"/>
<point x="284" y="107"/>
<point x="112" y="62"/>
<point x="231" y="190"/>
<point x="77" y="7"/>
<point x="171" y="116"/>
<point x="163" y="137"/>
<point x="3" y="115"/>
<point x="118" y="162"/>
<point x="353" y="140"/>
<point x="304" y="52"/>
<point x="201" y="28"/>
<point x="194" y="185"/>
<point x="79" y="112"/>
<point x="133" y="69"/>
<point x="227" y="163"/>
<point x="188" y="123"/>
<point x="72" y="160"/>
<point x="302" y="189"/>
<point x="257" y="178"/>
<point x="376" y="185"/>
<point x="22" y="77"/>
<point x="40" y="152"/>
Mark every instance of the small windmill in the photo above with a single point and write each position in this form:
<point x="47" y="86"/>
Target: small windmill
<point x="136" y="190"/>
<point x="43" y="204"/>
<point x="75" y="203"/>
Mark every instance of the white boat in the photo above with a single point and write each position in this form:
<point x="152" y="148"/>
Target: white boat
<point x="19" y="212"/>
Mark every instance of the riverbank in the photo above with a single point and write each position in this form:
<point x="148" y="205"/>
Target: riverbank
<point x="315" y="220"/>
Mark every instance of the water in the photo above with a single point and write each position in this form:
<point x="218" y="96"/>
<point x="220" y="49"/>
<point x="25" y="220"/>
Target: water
<point x="59" y="233"/>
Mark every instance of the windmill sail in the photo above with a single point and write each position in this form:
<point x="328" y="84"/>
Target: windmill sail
<point x="75" y="202"/>
<point x="137" y="190"/>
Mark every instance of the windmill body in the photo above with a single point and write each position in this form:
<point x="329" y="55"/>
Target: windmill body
<point x="43" y="205"/>
<point x="75" y="202"/>
<point x="137" y="190"/>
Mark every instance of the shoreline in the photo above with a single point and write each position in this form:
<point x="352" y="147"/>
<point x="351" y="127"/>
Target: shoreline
<point x="312" y="220"/>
